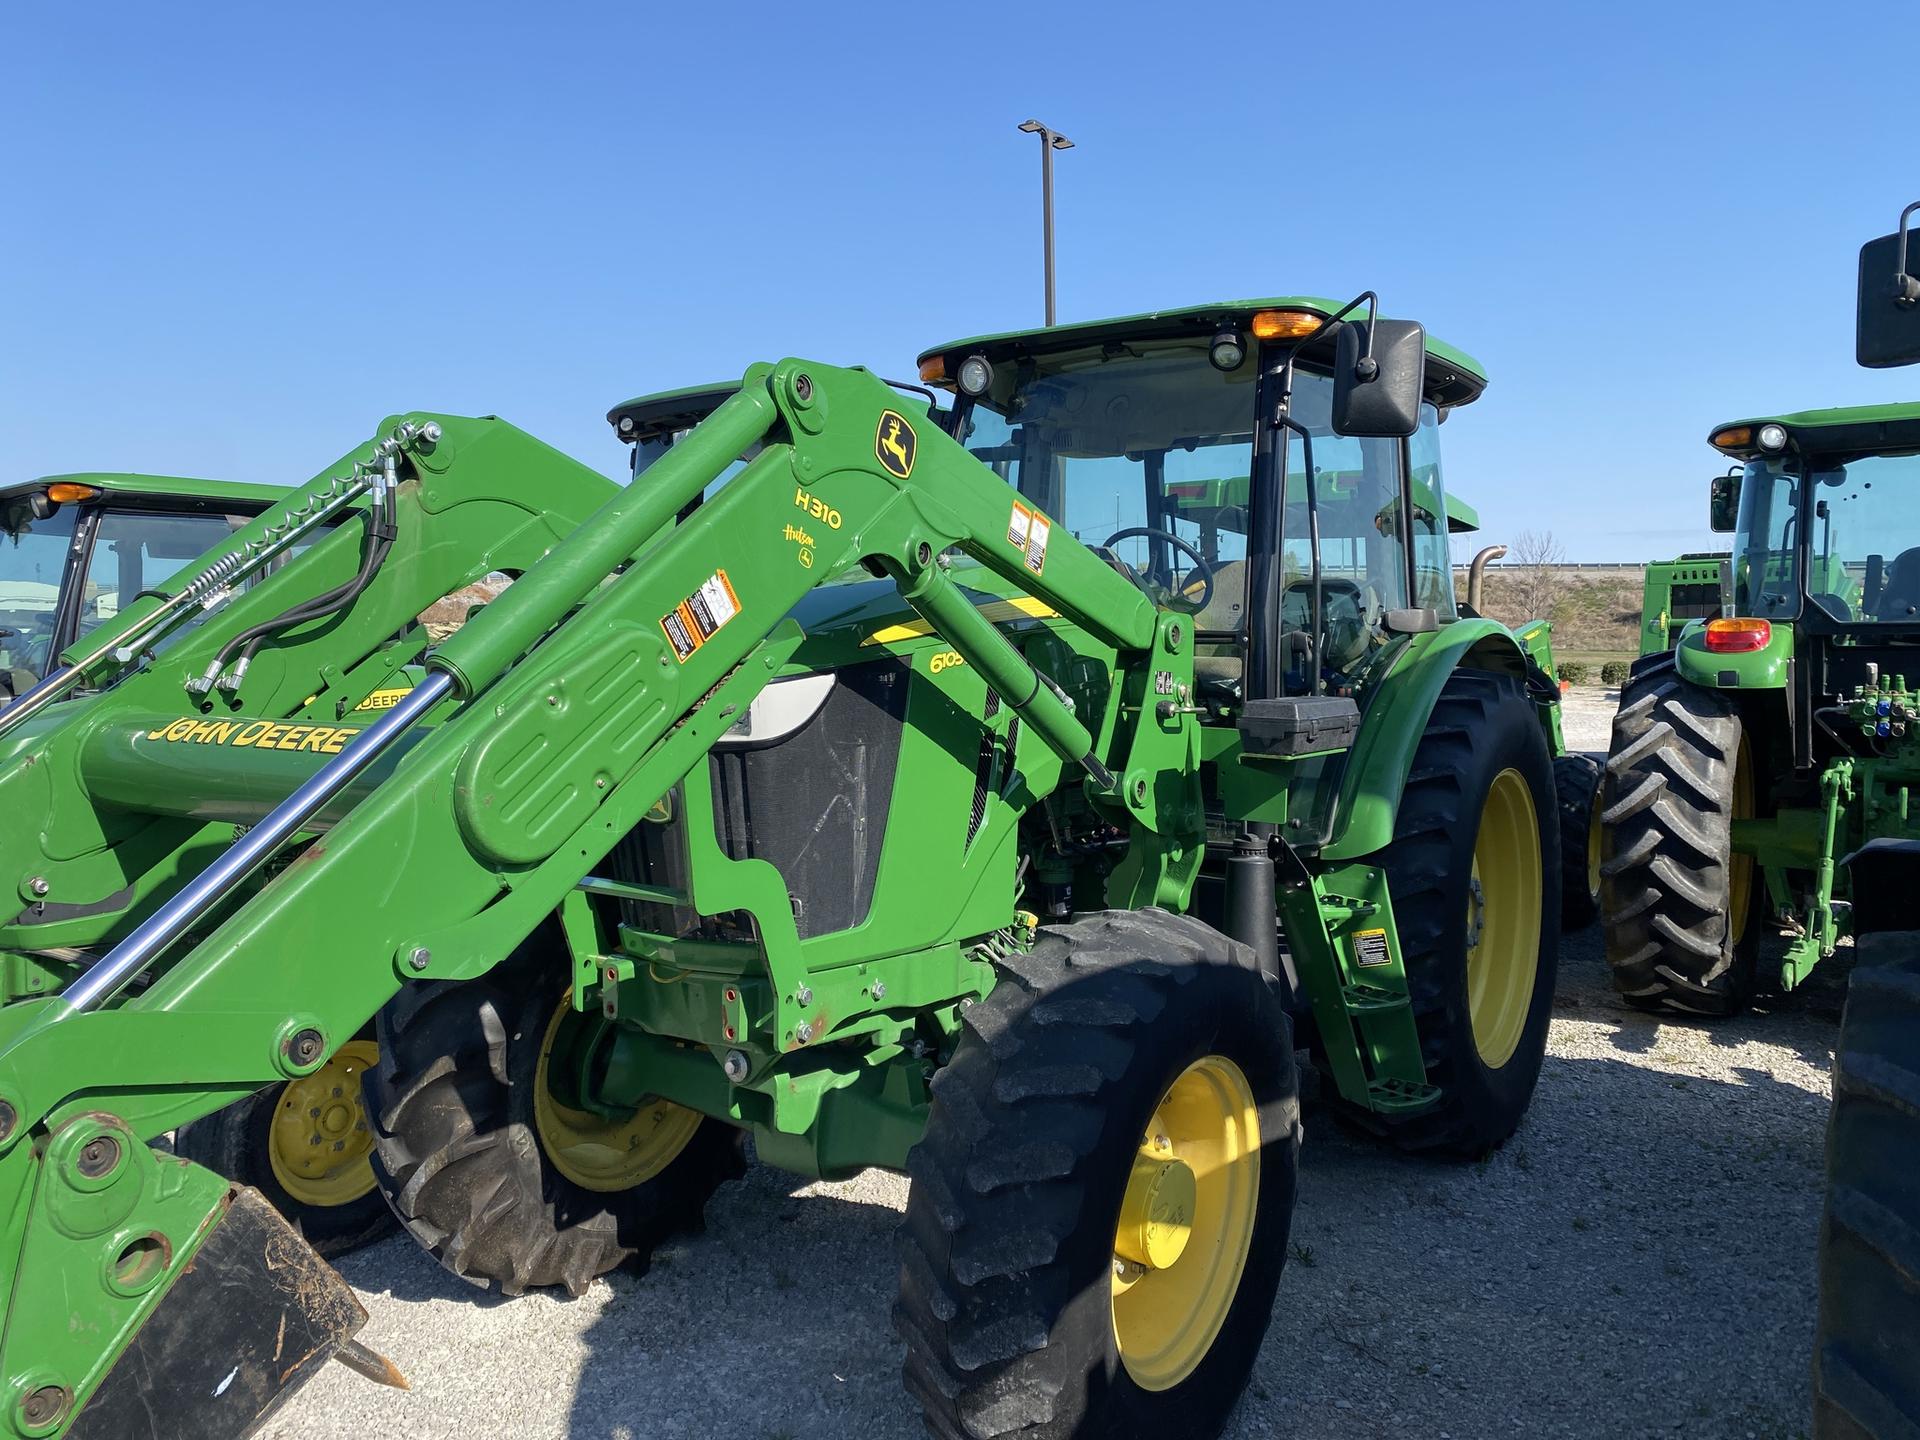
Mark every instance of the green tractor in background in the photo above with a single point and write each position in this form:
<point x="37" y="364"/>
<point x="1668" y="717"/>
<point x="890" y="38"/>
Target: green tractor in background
<point x="998" y="799"/>
<point x="1676" y="593"/>
<point x="1765" y="775"/>
<point x="76" y="551"/>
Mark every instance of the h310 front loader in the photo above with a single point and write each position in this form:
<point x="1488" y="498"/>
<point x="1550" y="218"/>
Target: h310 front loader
<point x="515" y="869"/>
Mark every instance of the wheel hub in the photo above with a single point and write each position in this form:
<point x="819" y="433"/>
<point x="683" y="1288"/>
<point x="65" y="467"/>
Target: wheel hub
<point x="1156" y="1217"/>
<point x="319" y="1143"/>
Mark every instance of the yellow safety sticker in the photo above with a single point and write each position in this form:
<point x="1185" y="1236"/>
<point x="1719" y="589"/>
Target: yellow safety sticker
<point x="995" y="610"/>
<point x="255" y="735"/>
<point x="1028" y="532"/>
<point x="692" y="622"/>
<point x="1370" y="948"/>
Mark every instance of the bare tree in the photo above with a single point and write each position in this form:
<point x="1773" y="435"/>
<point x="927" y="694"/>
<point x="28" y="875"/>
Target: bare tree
<point x="1532" y="560"/>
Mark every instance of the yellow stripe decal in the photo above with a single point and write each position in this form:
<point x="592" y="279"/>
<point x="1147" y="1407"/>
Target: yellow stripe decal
<point x="995" y="610"/>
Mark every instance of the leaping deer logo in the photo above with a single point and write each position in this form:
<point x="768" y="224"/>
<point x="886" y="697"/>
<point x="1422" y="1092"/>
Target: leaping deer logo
<point x="894" y="444"/>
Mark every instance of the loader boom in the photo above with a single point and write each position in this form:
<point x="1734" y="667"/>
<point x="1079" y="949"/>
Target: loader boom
<point x="563" y="713"/>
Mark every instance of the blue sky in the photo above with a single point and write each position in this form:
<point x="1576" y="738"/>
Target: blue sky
<point x="235" y="236"/>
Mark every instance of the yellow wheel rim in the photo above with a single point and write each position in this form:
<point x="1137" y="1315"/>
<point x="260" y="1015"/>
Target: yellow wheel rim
<point x="1503" y="919"/>
<point x="319" y="1143"/>
<point x="1740" y="867"/>
<point x="1594" y="829"/>
<point x="1186" y="1223"/>
<point x="601" y="1154"/>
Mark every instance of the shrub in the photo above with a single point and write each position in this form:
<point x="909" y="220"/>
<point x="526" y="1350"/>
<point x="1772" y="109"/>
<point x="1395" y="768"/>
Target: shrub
<point x="1614" y="673"/>
<point x="1574" y="672"/>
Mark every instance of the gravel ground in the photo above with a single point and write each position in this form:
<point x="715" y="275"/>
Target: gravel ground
<point x="1637" y="1261"/>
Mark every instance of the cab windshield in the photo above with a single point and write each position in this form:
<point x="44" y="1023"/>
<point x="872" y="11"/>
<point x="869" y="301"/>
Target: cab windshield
<point x="1857" y="522"/>
<point x="1147" y="449"/>
<point x="33" y="556"/>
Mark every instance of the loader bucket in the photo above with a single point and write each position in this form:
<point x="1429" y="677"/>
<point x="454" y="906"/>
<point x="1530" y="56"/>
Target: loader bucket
<point x="152" y="1300"/>
<point x="255" y="1314"/>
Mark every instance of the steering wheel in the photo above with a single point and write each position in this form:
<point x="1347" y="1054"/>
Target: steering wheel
<point x="1183" y="599"/>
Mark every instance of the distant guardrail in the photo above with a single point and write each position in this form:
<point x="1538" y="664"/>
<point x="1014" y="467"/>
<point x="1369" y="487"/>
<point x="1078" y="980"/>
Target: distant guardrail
<point x="1561" y="565"/>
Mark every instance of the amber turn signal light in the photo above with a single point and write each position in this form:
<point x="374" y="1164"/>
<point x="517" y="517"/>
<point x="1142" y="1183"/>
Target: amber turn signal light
<point x="1735" y="637"/>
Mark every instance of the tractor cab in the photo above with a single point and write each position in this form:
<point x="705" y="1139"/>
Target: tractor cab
<point x="1152" y="438"/>
<point x="75" y="550"/>
<point x="1825" y="514"/>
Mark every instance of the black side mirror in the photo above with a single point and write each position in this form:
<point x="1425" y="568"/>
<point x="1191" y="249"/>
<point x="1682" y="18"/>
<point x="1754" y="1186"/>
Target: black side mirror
<point x="1723" y="510"/>
<point x="1379" y="395"/>
<point x="1888" y="330"/>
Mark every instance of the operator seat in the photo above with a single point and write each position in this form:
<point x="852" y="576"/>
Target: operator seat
<point x="1900" y="600"/>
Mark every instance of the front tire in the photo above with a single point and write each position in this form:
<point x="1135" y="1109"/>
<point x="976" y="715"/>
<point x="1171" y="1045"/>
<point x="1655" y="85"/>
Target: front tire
<point x="502" y="1183"/>
<point x="306" y="1145"/>
<point x="1681" y="910"/>
<point x="1100" y="1205"/>
<point x="1474" y="871"/>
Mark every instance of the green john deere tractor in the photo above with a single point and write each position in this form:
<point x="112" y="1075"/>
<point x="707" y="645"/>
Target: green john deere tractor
<point x="1675" y="593"/>
<point x="77" y="551"/>
<point x="1002" y="806"/>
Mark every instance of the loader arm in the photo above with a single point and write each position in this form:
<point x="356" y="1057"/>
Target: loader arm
<point x="543" y="732"/>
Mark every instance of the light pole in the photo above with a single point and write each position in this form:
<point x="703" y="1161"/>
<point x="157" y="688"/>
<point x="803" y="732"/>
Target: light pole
<point x="1050" y="141"/>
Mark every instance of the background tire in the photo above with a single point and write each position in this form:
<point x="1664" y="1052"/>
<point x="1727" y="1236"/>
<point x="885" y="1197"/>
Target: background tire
<point x="1482" y="727"/>
<point x="1679" y="908"/>
<point x="1866" y="1363"/>
<point x="1008" y="1278"/>
<point x="1576" y="784"/>
<point x="342" y="1208"/>
<point x="461" y="1158"/>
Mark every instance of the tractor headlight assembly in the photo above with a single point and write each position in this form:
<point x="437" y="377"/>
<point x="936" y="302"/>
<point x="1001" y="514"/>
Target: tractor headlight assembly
<point x="1227" y="351"/>
<point x="1772" y="438"/>
<point x="975" y="375"/>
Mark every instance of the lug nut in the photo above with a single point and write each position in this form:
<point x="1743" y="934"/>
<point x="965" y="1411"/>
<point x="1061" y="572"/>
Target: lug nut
<point x="804" y="1032"/>
<point x="879" y="989"/>
<point x="420" y="958"/>
<point x="39" y="886"/>
<point x="803" y="996"/>
<point x="735" y="1066"/>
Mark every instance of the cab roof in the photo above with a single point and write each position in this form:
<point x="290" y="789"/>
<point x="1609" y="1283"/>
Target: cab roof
<point x="1845" y="429"/>
<point x="647" y="417"/>
<point x="116" y="485"/>
<point x="1453" y="376"/>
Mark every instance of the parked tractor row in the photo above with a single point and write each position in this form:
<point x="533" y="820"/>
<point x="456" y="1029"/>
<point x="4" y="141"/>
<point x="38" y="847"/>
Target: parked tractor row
<point x="1041" y="793"/>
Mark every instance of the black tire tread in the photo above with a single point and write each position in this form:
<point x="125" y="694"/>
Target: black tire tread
<point x="1436" y="813"/>
<point x="1576" y="778"/>
<point x="457" y="1156"/>
<point x="996" y="1192"/>
<point x="1667" y="800"/>
<point x="1865" y="1379"/>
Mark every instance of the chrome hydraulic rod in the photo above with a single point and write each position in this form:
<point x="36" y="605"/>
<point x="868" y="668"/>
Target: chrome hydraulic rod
<point x="125" y="962"/>
<point x="218" y="579"/>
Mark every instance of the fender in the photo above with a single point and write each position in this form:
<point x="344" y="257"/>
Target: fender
<point x="1377" y="768"/>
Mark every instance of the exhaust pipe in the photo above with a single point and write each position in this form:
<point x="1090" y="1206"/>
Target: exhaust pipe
<point x="1477" y="574"/>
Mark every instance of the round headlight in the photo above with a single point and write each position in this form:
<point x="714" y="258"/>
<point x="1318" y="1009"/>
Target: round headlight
<point x="1773" y="437"/>
<point x="975" y="375"/>
<point x="1227" y="350"/>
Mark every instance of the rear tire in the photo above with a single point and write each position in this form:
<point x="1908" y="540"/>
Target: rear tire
<point x="1109" y="1036"/>
<point x="1576" y="783"/>
<point x="1483" y="1055"/>
<point x="1680" y="908"/>
<point x="461" y="1158"/>
<point x="1866" y="1380"/>
<point x="238" y="1142"/>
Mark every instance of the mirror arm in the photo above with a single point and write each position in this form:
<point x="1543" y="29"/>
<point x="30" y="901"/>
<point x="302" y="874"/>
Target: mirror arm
<point x="1906" y="288"/>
